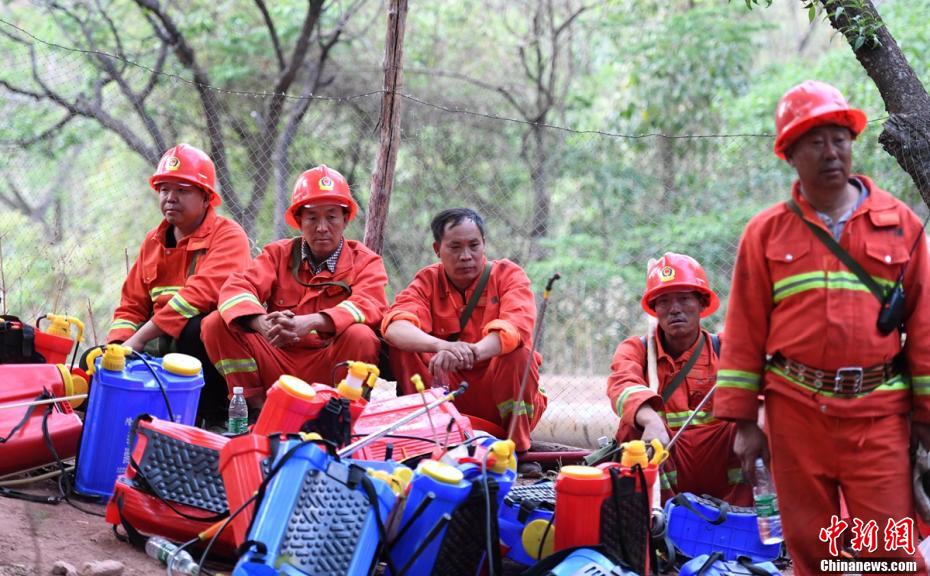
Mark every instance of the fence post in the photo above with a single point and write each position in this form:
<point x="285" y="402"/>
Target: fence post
<point x="382" y="177"/>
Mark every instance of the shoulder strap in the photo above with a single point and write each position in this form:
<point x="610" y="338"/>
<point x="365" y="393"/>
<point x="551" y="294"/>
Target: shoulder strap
<point x="473" y="301"/>
<point x="683" y="373"/>
<point x="194" y="257"/>
<point x="295" y="271"/>
<point x="715" y="343"/>
<point x="681" y="499"/>
<point x="827" y="240"/>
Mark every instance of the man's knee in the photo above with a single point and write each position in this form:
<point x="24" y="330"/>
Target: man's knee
<point x="361" y="343"/>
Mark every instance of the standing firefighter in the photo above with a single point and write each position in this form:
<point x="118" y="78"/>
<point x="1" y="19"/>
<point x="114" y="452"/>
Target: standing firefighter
<point x="182" y="263"/>
<point x="306" y="303"/>
<point x="841" y="392"/>
<point x="702" y="462"/>
<point x="468" y="318"/>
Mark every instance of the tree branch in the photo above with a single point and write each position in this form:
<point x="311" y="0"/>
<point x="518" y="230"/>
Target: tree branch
<point x="212" y="111"/>
<point x="272" y="32"/>
<point x="504" y="92"/>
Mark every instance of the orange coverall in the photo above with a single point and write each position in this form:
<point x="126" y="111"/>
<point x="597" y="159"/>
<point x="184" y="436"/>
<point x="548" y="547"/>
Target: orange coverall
<point x="506" y="306"/>
<point x="792" y="296"/>
<point x="247" y="359"/>
<point x="160" y="285"/>
<point x="702" y="460"/>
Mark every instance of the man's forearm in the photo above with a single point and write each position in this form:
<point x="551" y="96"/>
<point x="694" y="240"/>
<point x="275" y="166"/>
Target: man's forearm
<point x="406" y="336"/>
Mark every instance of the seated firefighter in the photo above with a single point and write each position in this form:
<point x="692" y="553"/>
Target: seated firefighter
<point x="702" y="460"/>
<point x="306" y="303"/>
<point x="182" y="263"/>
<point x="467" y="318"/>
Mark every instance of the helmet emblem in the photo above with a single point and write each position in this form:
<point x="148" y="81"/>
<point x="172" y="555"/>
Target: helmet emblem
<point x="326" y="183"/>
<point x="666" y="274"/>
<point x="172" y="163"/>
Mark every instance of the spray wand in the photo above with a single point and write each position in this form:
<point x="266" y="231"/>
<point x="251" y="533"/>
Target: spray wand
<point x="417" y="381"/>
<point x="536" y="337"/>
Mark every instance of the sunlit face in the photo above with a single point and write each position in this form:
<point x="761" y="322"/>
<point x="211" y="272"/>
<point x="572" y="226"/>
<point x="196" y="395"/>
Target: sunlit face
<point x="461" y="252"/>
<point x="822" y="157"/>
<point x="182" y="205"/>
<point x="679" y="313"/>
<point x="322" y="227"/>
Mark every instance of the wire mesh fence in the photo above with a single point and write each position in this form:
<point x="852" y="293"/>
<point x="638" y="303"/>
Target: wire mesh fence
<point x="592" y="205"/>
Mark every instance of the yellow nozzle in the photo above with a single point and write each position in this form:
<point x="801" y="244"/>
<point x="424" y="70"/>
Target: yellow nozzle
<point x="397" y="480"/>
<point x="114" y="358"/>
<point x="660" y="454"/>
<point x="504" y="458"/>
<point x="417" y="381"/>
<point x="60" y="325"/>
<point x="91" y="358"/>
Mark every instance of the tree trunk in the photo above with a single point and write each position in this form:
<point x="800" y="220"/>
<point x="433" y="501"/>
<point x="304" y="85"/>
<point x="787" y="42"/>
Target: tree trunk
<point x="906" y="135"/>
<point x="382" y="178"/>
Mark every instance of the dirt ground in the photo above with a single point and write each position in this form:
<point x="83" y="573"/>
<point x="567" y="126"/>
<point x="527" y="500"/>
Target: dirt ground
<point x="34" y="536"/>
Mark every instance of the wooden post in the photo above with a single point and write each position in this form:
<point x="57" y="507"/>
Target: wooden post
<point x="382" y="177"/>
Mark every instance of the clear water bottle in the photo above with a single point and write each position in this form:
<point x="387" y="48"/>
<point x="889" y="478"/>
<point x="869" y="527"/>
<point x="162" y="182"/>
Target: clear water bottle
<point x="766" y="502"/>
<point x="238" y="413"/>
<point x="165" y="551"/>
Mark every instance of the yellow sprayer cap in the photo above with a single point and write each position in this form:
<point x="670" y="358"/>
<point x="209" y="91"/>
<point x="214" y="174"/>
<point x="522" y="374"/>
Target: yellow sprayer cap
<point x="114" y="358"/>
<point x="440" y="471"/>
<point x="504" y="459"/>
<point x="634" y="452"/>
<point x="581" y="472"/>
<point x="72" y="385"/>
<point x="346" y="390"/>
<point x="78" y="386"/>
<point x="181" y="364"/>
<point x="533" y="534"/>
<point x="296" y="387"/>
<point x="60" y="325"/>
<point x="358" y="369"/>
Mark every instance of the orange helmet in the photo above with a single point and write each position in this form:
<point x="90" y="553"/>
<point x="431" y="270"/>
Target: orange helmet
<point x="317" y="186"/>
<point x="677" y="273"/>
<point x="187" y="165"/>
<point x="810" y="104"/>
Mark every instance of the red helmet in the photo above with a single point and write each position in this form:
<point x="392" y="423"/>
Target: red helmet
<point x="677" y="273"/>
<point x="810" y="104"/>
<point x="317" y="186"/>
<point x="185" y="164"/>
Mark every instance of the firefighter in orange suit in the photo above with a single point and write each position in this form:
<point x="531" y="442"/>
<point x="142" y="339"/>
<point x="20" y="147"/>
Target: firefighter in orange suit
<point x="702" y="462"/>
<point x="182" y="263"/>
<point x="306" y="303"/>
<point x="840" y="395"/>
<point x="491" y="351"/>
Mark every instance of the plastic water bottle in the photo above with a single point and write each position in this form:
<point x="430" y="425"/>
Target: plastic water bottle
<point x="165" y="551"/>
<point x="238" y="413"/>
<point x="766" y="502"/>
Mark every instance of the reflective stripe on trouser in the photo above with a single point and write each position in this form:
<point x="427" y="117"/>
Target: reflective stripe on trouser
<point x="492" y="387"/>
<point x="814" y="455"/>
<point x="247" y="359"/>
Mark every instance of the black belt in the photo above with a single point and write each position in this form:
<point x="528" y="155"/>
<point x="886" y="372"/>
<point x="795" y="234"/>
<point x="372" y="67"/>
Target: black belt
<point x="848" y="380"/>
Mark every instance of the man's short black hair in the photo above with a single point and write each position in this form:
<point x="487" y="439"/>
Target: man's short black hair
<point x="453" y="217"/>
